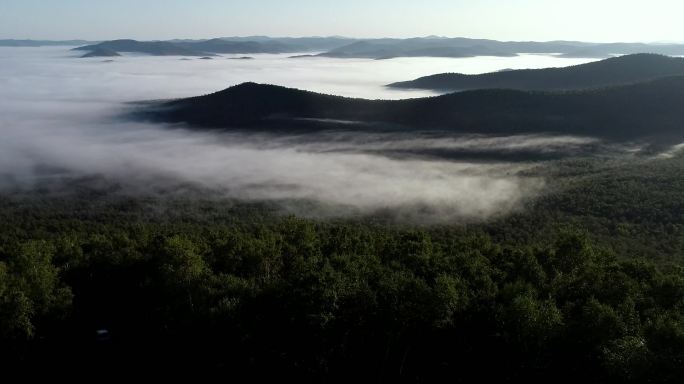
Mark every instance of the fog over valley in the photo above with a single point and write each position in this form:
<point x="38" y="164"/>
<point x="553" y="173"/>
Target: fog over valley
<point x="62" y="117"/>
<point x="376" y="191"/>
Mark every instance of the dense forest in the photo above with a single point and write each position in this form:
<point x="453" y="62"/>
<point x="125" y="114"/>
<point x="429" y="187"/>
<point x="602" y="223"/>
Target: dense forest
<point x="585" y="284"/>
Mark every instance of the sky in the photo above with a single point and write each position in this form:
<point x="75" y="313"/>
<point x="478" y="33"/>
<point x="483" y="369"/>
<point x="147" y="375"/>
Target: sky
<point x="539" y="20"/>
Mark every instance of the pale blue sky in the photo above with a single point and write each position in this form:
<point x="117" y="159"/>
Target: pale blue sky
<point x="589" y="20"/>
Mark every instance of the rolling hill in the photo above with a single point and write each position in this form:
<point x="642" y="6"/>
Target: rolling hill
<point x="609" y="72"/>
<point x="649" y="110"/>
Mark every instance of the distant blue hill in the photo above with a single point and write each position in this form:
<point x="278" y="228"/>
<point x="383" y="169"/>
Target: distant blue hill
<point x="341" y="47"/>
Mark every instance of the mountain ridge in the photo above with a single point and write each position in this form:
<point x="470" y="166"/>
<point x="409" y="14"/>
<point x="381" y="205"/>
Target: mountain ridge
<point x="627" y="112"/>
<point x="614" y="71"/>
<point x="384" y="48"/>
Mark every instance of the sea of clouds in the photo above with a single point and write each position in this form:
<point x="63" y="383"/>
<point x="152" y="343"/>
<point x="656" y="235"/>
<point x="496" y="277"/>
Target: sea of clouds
<point x="60" y="117"/>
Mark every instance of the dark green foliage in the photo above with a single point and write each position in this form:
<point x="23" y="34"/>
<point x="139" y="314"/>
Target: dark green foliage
<point x="268" y="295"/>
<point x="585" y="285"/>
<point x="31" y="292"/>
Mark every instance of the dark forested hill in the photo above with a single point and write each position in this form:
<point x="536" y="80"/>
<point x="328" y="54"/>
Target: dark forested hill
<point x="650" y="109"/>
<point x="613" y="71"/>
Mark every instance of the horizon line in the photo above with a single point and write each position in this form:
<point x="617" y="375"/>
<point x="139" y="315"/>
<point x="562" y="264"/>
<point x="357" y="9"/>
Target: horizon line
<point x="346" y="37"/>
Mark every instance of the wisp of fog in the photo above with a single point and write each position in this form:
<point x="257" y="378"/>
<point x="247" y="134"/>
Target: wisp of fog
<point x="59" y="118"/>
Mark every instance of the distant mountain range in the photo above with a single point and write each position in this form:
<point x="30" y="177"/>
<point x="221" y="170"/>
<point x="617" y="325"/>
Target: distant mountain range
<point x="614" y="71"/>
<point x="649" y="110"/>
<point x="601" y="51"/>
<point x="462" y="47"/>
<point x="42" y="43"/>
<point x="388" y="49"/>
<point x="155" y="48"/>
<point x="339" y="47"/>
<point x="253" y="45"/>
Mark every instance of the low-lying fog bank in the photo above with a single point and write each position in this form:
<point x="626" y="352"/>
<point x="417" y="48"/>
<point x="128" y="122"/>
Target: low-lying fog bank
<point x="58" y="119"/>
